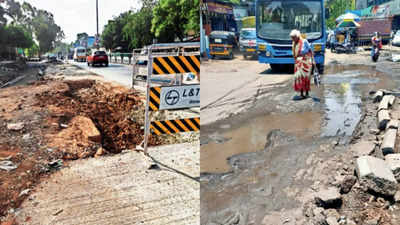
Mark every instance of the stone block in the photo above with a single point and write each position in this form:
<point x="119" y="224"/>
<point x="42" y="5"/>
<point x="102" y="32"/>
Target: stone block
<point x="389" y="140"/>
<point x="374" y="174"/>
<point x="393" y="161"/>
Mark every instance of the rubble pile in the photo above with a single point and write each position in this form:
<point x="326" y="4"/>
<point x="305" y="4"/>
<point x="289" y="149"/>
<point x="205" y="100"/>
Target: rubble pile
<point x="367" y="191"/>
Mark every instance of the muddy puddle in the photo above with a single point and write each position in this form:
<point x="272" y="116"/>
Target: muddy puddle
<point x="341" y="93"/>
<point x="252" y="137"/>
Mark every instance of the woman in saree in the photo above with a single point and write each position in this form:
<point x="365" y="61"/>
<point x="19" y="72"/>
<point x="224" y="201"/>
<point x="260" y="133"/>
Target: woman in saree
<point x="303" y="57"/>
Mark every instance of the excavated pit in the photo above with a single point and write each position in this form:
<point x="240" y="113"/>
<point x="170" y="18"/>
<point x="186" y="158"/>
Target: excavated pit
<point x="114" y="114"/>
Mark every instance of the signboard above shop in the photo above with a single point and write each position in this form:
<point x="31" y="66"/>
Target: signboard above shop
<point x="218" y="7"/>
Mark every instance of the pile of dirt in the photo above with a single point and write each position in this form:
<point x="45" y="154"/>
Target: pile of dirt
<point x="52" y="120"/>
<point x="109" y="109"/>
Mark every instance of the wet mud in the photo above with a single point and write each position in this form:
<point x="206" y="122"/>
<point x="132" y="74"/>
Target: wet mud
<point x="248" y="162"/>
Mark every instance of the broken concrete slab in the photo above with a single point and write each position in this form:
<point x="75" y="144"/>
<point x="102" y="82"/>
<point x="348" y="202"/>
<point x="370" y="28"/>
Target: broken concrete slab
<point x="389" y="140"/>
<point x="384" y="104"/>
<point x="378" y="96"/>
<point x="374" y="174"/>
<point x="391" y="100"/>
<point x="328" y="198"/>
<point x="15" y="126"/>
<point x="393" y="124"/>
<point x="383" y="119"/>
<point x="397" y="197"/>
<point x="363" y="148"/>
<point x="393" y="161"/>
<point x="331" y="221"/>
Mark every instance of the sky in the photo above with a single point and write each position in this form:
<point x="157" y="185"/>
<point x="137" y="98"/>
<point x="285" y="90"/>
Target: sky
<point x="77" y="16"/>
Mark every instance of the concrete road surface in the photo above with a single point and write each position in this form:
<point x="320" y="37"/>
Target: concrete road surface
<point x="121" y="74"/>
<point x="121" y="189"/>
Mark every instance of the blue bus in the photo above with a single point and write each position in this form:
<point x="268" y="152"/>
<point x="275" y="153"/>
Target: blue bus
<point x="275" y="19"/>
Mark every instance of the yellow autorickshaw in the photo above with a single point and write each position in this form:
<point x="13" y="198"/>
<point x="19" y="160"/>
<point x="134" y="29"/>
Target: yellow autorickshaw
<point x="222" y="44"/>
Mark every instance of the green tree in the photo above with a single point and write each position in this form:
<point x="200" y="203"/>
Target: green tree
<point x="138" y="28"/>
<point x="32" y="51"/>
<point x="18" y="36"/>
<point x="112" y="36"/>
<point x="79" y="36"/>
<point x="175" y="19"/>
<point x="47" y="32"/>
<point x="14" y="10"/>
<point x="337" y="8"/>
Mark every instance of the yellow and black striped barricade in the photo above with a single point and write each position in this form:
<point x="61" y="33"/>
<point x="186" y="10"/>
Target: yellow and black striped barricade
<point x="176" y="64"/>
<point x="172" y="97"/>
<point x="175" y="126"/>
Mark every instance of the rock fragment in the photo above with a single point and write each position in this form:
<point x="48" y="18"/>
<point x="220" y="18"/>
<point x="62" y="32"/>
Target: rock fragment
<point x="15" y="126"/>
<point x="347" y="184"/>
<point x="332" y="221"/>
<point x="393" y="161"/>
<point x="328" y="198"/>
<point x="374" y="174"/>
<point x="378" y="96"/>
<point x="7" y="165"/>
<point x="383" y="119"/>
<point x="363" y="148"/>
<point x="389" y="140"/>
<point x="393" y="124"/>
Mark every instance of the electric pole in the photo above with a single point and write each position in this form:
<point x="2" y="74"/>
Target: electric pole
<point x="97" y="16"/>
<point x="97" y="21"/>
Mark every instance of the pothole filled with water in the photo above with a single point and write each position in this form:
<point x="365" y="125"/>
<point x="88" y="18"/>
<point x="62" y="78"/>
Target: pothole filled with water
<point x="340" y="95"/>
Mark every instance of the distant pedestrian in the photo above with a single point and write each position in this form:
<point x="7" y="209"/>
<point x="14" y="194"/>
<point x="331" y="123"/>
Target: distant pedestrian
<point x="303" y="57"/>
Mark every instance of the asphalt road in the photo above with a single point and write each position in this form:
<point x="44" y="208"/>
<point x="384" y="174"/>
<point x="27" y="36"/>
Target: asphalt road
<point x="121" y="74"/>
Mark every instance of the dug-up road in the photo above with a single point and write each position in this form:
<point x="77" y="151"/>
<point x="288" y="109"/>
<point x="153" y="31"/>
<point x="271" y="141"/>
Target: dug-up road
<point x="98" y="179"/>
<point x="120" y="189"/>
<point x="266" y="155"/>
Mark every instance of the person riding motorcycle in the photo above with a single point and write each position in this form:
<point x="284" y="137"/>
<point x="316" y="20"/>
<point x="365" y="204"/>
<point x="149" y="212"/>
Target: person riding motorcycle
<point x="376" y="46"/>
<point x="376" y="40"/>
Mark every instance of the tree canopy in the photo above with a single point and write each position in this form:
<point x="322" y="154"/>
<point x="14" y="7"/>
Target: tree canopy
<point x="21" y="24"/>
<point x="175" y="19"/>
<point x="112" y="36"/>
<point x="166" y="20"/>
<point x="337" y="8"/>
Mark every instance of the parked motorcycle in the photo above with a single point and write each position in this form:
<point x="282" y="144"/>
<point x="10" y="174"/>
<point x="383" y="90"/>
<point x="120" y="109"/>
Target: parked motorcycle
<point x="375" y="54"/>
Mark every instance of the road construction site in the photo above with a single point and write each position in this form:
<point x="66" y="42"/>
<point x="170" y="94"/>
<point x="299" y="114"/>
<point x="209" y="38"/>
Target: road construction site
<point x="67" y="145"/>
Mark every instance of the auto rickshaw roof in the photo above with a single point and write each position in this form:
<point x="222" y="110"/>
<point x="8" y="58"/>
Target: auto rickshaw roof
<point x="222" y="34"/>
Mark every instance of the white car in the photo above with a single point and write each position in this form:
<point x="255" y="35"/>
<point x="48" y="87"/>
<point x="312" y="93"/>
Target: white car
<point x="396" y="39"/>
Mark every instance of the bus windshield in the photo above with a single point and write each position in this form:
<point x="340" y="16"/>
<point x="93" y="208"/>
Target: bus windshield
<point x="275" y="19"/>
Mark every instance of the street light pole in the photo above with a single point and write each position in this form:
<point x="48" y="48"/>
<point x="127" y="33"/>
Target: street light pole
<point x="97" y="20"/>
